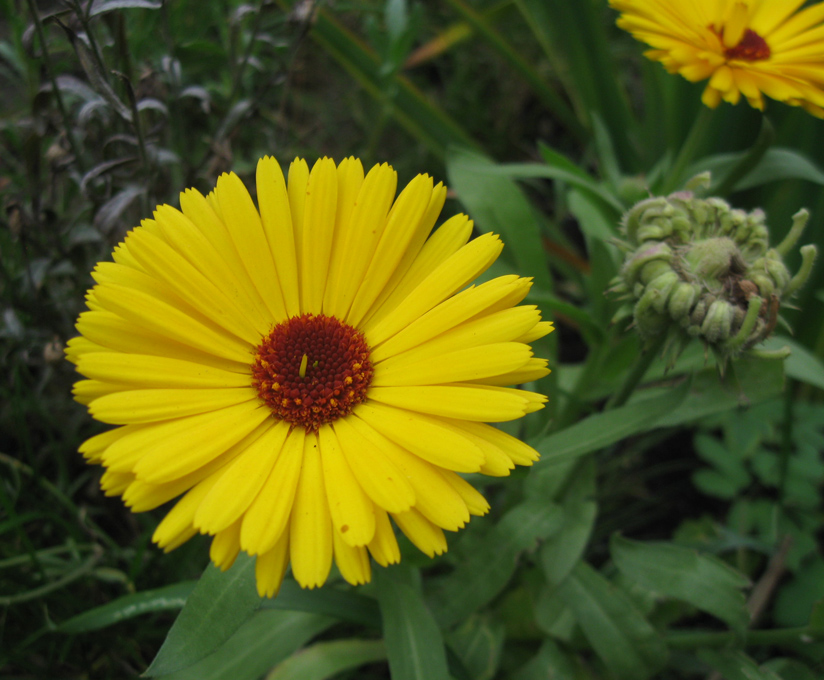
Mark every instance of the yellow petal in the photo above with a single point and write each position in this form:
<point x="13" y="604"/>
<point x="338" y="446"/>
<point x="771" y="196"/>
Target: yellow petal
<point x="310" y="529"/>
<point x="165" y="451"/>
<point x="450" y="237"/>
<point x="276" y="218"/>
<point x="448" y="278"/>
<point x="317" y="234"/>
<point x="430" y="438"/>
<point x="115" y="333"/>
<point x="245" y="228"/>
<point x="448" y="315"/>
<point x="384" y="546"/>
<point x="200" y="235"/>
<point x="225" y="547"/>
<point x="353" y="562"/>
<point x="268" y="515"/>
<point x="518" y="451"/>
<point x="170" y="267"/>
<point x="353" y="514"/>
<point x="241" y="482"/>
<point x="142" y="370"/>
<point x="473" y="363"/>
<point x="425" y="536"/>
<point x="164" y="319"/>
<point x="435" y="499"/>
<point x="359" y="238"/>
<point x="270" y="567"/>
<point x="400" y="229"/>
<point x="452" y="401"/>
<point x="143" y="406"/>
<point x="414" y="250"/>
<point x="381" y="479"/>
<point x="296" y="185"/>
<point x="475" y="502"/>
<point x="176" y="527"/>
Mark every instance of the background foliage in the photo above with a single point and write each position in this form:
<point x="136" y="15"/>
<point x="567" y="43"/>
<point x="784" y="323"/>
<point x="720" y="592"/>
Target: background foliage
<point x="672" y="536"/>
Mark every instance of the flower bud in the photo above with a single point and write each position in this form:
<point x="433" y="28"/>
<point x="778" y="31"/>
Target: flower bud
<point x="700" y="268"/>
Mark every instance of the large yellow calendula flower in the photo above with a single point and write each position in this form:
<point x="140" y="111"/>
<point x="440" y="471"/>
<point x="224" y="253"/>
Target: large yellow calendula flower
<point x="304" y="370"/>
<point x="745" y="47"/>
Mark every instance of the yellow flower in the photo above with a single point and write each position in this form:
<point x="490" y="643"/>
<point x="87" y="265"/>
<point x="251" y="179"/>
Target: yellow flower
<point x="744" y="47"/>
<point x="305" y="370"/>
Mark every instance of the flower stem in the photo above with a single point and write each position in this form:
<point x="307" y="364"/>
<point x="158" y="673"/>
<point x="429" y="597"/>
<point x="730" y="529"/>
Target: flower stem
<point x="691" y="145"/>
<point x="637" y="373"/>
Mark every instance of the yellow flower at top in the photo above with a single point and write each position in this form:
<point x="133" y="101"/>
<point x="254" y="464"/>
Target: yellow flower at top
<point x="745" y="47"/>
<point x="305" y="369"/>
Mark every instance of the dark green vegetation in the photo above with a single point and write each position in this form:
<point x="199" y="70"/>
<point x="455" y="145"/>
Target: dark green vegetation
<point x="669" y="536"/>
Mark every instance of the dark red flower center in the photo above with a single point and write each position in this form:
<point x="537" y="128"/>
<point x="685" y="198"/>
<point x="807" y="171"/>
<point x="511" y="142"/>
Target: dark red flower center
<point x="312" y="369"/>
<point x="752" y="47"/>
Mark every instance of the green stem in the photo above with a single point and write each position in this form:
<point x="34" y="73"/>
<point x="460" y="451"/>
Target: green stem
<point x="637" y="373"/>
<point x="690" y="147"/>
<point x="779" y="636"/>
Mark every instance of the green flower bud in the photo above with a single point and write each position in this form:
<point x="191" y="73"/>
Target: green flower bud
<point x="696" y="267"/>
<point x="718" y="321"/>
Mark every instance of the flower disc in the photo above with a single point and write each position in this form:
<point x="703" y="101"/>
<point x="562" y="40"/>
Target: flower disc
<point x="312" y="369"/>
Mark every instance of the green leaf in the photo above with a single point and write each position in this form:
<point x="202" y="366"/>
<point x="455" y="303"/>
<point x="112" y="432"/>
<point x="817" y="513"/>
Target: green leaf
<point x="801" y="365"/>
<point x="704" y="581"/>
<point x="103" y="6"/>
<point x="549" y="662"/>
<point x="735" y="665"/>
<point x="561" y="551"/>
<point x="414" y="644"/>
<point x="220" y="603"/>
<point x="129" y="606"/>
<point x="600" y="430"/>
<point x="758" y="379"/>
<point x="624" y="640"/>
<point x="341" y="604"/>
<point x="478" y="642"/>
<point x="497" y="204"/>
<point x="777" y="164"/>
<point x="790" y="669"/>
<point x="479" y="579"/>
<point x="266" y="639"/>
<point x="327" y="659"/>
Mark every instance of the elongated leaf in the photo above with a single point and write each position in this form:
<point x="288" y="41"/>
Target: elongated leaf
<point x="561" y="551"/>
<point x="129" y="606"/>
<point x="757" y="380"/>
<point x="414" y="644"/>
<point x="475" y="582"/>
<point x="802" y="364"/>
<point x="704" y="581"/>
<point x="777" y="164"/>
<point x="478" y="642"/>
<point x="265" y="640"/>
<point x="220" y="603"/>
<point x="326" y="659"/>
<point x="340" y="604"/>
<point x="600" y="430"/>
<point x="624" y="640"/>
<point x="735" y="665"/>
<point x="498" y="204"/>
<point x="549" y="662"/>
